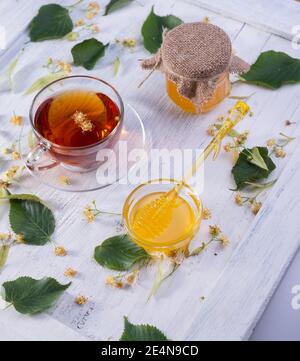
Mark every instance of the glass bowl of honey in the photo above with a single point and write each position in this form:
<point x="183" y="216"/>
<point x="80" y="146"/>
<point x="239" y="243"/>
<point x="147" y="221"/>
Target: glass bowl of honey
<point x="78" y="123"/>
<point x="178" y="231"/>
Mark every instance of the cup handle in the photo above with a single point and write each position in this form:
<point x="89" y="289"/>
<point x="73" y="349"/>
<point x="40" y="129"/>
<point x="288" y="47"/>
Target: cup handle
<point x="33" y="160"/>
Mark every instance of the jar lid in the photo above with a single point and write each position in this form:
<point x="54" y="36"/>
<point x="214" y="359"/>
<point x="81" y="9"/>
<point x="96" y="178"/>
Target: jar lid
<point x="196" y="50"/>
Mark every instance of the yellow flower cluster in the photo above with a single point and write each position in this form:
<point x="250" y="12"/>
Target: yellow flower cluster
<point x="93" y="10"/>
<point x="60" y="251"/>
<point x="70" y="272"/>
<point x="89" y="214"/>
<point x="10" y="174"/>
<point x="63" y="180"/>
<point x="16" y="120"/>
<point x="127" y="42"/>
<point x="206" y="213"/>
<point x="122" y="281"/>
<point x="81" y="300"/>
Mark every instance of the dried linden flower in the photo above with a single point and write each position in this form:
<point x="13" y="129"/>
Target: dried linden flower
<point x="238" y="199"/>
<point x="4" y="236"/>
<point x="16" y="120"/>
<point x="60" y="251"/>
<point x="206" y="214"/>
<point x="95" y="28"/>
<point x="89" y="214"/>
<point x="10" y="174"/>
<point x="113" y="282"/>
<point x="214" y="230"/>
<point x="64" y="180"/>
<point x="130" y="279"/>
<point x="79" y="22"/>
<point x="66" y="67"/>
<point x="16" y="155"/>
<point x="19" y="238"/>
<point x="224" y="241"/>
<point x="205" y="20"/>
<point x="81" y="300"/>
<point x="94" y="6"/>
<point x="256" y="206"/>
<point x="271" y="142"/>
<point x="227" y="147"/>
<point x="83" y="121"/>
<point x="5" y="151"/>
<point x="211" y="130"/>
<point x="70" y="272"/>
<point x="280" y="153"/>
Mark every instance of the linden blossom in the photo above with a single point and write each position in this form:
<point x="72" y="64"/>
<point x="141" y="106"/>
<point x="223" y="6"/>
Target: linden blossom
<point x="118" y="351"/>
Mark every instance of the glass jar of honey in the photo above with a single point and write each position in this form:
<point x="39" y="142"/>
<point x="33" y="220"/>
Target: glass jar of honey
<point x="179" y="231"/>
<point x="197" y="59"/>
<point x="221" y="91"/>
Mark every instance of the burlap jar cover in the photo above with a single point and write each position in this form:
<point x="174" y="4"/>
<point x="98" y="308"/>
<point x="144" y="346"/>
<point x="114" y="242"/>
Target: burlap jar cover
<point x="194" y="56"/>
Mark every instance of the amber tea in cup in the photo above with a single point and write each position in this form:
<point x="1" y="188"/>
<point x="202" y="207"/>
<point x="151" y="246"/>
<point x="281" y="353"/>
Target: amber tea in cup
<point x="77" y="118"/>
<point x="73" y="118"/>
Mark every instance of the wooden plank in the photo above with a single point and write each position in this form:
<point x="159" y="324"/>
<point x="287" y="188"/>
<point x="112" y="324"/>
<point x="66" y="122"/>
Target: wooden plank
<point x="257" y="266"/>
<point x="276" y="16"/>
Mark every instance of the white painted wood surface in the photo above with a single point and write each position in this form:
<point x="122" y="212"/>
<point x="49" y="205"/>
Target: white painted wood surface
<point x="177" y="308"/>
<point x="275" y="16"/>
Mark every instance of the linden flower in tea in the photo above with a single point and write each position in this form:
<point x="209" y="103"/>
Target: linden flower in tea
<point x="77" y="118"/>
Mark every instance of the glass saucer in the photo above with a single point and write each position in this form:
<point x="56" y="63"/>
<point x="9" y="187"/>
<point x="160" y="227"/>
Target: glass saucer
<point x="64" y="178"/>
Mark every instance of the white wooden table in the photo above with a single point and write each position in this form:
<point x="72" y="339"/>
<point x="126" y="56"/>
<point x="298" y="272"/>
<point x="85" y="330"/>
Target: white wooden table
<point x="238" y="283"/>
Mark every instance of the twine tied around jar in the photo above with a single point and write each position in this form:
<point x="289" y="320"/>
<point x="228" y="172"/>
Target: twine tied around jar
<point x="193" y="56"/>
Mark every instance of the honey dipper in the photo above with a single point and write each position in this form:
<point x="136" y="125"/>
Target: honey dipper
<point x="154" y="218"/>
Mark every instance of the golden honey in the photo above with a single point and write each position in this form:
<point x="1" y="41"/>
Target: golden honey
<point x="175" y="228"/>
<point x="222" y="90"/>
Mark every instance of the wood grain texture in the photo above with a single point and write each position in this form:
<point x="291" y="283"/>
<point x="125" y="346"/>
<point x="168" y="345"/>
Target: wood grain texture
<point x="276" y="16"/>
<point x="177" y="309"/>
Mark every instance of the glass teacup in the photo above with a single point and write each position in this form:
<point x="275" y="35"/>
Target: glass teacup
<point x="48" y="153"/>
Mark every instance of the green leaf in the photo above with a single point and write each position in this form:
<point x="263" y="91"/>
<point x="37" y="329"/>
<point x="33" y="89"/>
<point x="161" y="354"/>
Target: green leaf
<point x="88" y="52"/>
<point x="153" y="27"/>
<point x="52" y="22"/>
<point x="114" y="5"/>
<point x="30" y="296"/>
<point x="119" y="253"/>
<point x="170" y="21"/>
<point x="245" y="171"/>
<point x="32" y="219"/>
<point x="272" y="69"/>
<point x="141" y="332"/>
<point x="4" y="250"/>
<point x="256" y="159"/>
<point x="23" y="196"/>
<point x="45" y="80"/>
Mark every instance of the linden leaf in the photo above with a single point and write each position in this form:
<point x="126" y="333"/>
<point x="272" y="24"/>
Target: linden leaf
<point x="52" y="22"/>
<point x="4" y="250"/>
<point x="141" y="332"/>
<point x="88" y="52"/>
<point x="153" y="27"/>
<point x="24" y="196"/>
<point x="45" y="80"/>
<point x="272" y="69"/>
<point x="114" y="5"/>
<point x="119" y="253"/>
<point x="245" y="171"/>
<point x="30" y="296"/>
<point x="29" y="217"/>
<point x="256" y="158"/>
